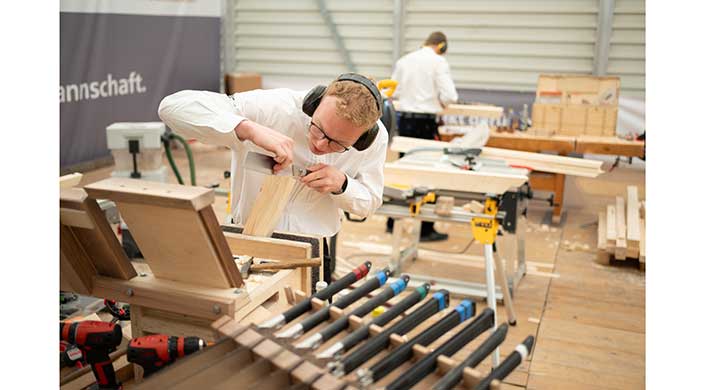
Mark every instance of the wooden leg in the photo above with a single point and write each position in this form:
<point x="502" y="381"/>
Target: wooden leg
<point x="508" y="302"/>
<point x="558" y="188"/>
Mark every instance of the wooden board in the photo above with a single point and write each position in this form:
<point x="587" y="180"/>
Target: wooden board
<point x="620" y="251"/>
<point x="70" y="180"/>
<point x="151" y="193"/>
<point x="642" y="241"/>
<point x="611" y="228"/>
<point x="587" y="144"/>
<point x="175" y="229"/>
<point x="177" y="246"/>
<point x="532" y="143"/>
<point x="94" y="234"/>
<point x="268" y="248"/>
<point x="633" y="226"/>
<point x="450" y="179"/>
<point x="473" y="110"/>
<point x="269" y="205"/>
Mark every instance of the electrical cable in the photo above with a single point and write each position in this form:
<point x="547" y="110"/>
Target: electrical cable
<point x="189" y="156"/>
<point x="170" y="158"/>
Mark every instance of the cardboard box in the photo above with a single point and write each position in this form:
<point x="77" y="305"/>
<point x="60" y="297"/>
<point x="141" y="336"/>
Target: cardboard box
<point x="241" y="82"/>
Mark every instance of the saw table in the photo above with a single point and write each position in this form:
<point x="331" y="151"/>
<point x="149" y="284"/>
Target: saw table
<point x="562" y="145"/>
<point x="447" y="169"/>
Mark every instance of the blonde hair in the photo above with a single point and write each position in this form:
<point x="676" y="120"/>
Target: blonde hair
<point x="355" y="102"/>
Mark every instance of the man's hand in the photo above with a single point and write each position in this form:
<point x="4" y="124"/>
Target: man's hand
<point x="269" y="140"/>
<point x="324" y="178"/>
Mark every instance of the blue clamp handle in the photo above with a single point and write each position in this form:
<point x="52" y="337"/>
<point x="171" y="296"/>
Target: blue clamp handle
<point x="441" y="298"/>
<point x="398" y="286"/>
<point x="382" y="276"/>
<point x="466" y="309"/>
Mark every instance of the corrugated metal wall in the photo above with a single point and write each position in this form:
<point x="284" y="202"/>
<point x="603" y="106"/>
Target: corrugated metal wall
<point x="494" y="45"/>
<point x="627" y="56"/>
<point x="282" y="38"/>
<point x="505" y="45"/>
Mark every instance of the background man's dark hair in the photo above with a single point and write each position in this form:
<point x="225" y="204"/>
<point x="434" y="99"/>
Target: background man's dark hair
<point x="435" y="38"/>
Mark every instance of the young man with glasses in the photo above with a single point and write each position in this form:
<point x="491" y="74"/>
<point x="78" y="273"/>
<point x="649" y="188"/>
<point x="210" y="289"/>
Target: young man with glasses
<point x="334" y="132"/>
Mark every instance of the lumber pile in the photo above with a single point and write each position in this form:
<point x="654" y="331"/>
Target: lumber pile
<point x="621" y="229"/>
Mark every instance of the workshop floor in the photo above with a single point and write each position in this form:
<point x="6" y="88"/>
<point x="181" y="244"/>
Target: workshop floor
<point x="588" y="319"/>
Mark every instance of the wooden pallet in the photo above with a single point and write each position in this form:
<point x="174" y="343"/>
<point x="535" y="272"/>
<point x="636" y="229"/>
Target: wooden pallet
<point x="254" y="359"/>
<point x="621" y="230"/>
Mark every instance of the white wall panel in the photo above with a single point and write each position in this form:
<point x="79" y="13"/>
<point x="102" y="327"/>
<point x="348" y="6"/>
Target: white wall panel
<point x="495" y="45"/>
<point x="627" y="55"/>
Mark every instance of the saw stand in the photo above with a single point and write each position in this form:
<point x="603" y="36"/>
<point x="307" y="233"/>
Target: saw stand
<point x="484" y="226"/>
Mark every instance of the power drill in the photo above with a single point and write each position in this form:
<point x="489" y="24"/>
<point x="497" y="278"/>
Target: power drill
<point x="96" y="339"/>
<point x="156" y="351"/>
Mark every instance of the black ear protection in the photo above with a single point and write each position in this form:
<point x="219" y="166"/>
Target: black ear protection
<point x="442" y="47"/>
<point x="313" y="99"/>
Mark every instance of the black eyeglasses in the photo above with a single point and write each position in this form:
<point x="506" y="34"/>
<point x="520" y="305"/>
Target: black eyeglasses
<point x="319" y="134"/>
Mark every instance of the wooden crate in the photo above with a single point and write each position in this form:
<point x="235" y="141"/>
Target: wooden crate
<point x="576" y="105"/>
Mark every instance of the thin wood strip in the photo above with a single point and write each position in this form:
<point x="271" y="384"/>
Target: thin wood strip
<point x="611" y="228"/>
<point x="285" y="265"/>
<point x="602" y="231"/>
<point x="620" y="251"/>
<point x="633" y="234"/>
<point x="642" y="242"/>
<point x="222" y="249"/>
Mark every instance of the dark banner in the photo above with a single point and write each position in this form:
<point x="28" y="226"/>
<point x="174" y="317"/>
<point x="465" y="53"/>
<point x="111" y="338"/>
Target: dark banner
<point x="118" y="67"/>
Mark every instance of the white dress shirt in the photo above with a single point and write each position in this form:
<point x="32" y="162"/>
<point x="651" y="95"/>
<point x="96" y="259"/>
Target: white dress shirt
<point x="425" y="85"/>
<point x="212" y="117"/>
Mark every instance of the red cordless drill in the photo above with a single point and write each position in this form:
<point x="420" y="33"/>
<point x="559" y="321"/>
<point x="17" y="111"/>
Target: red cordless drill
<point x="156" y="351"/>
<point x="96" y="339"/>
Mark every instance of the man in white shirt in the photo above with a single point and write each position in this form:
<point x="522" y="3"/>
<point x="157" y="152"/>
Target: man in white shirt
<point x="424" y="88"/>
<point x="332" y="131"/>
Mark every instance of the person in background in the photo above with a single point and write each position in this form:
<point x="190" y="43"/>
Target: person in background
<point x="425" y="88"/>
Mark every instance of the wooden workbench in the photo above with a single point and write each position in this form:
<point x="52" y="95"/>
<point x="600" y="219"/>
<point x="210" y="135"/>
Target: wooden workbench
<point x="562" y="145"/>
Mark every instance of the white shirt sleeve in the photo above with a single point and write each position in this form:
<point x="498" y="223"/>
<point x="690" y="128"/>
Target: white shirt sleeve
<point x="446" y="89"/>
<point x="363" y="195"/>
<point x="206" y="116"/>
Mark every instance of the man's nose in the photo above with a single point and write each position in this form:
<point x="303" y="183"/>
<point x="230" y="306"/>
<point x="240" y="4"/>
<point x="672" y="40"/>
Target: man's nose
<point x="321" y="144"/>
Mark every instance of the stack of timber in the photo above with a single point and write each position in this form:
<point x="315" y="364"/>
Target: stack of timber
<point x="622" y="228"/>
<point x="249" y="357"/>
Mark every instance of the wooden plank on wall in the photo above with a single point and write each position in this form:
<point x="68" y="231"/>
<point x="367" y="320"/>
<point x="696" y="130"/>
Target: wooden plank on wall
<point x="620" y="251"/>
